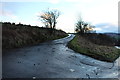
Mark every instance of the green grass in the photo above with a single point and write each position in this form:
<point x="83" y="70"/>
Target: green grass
<point x="101" y="52"/>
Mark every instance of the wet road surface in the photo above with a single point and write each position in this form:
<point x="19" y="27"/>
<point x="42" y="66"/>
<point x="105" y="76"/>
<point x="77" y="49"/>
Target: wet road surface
<point x="54" y="60"/>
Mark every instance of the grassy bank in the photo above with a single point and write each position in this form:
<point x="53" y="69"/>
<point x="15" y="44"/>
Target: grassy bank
<point x="95" y="47"/>
<point x="19" y="35"/>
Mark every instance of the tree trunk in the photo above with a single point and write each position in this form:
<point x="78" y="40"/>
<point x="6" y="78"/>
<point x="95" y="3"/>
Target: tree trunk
<point x="50" y="24"/>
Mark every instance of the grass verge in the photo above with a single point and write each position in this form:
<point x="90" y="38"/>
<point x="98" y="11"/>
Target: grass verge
<point x="19" y="35"/>
<point x="101" y="52"/>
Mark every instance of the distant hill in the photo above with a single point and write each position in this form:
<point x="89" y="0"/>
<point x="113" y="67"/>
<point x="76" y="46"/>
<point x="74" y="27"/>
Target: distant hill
<point x="113" y="34"/>
<point x="116" y="36"/>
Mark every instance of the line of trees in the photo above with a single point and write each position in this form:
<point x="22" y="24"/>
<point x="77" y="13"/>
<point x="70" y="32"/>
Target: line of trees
<point x="49" y="18"/>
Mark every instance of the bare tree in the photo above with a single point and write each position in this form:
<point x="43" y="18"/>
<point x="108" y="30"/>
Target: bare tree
<point x="83" y="27"/>
<point x="49" y="18"/>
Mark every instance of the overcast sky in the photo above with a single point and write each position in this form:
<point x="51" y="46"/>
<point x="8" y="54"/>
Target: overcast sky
<point x="101" y="13"/>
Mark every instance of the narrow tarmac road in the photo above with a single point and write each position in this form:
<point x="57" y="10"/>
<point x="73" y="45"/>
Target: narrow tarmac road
<point x="54" y="59"/>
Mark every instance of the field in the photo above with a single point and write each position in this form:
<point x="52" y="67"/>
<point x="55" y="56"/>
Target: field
<point x="98" y="46"/>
